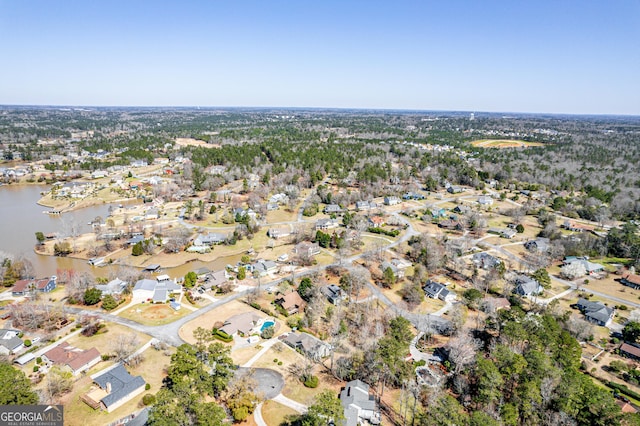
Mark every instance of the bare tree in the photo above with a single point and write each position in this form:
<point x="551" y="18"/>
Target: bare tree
<point x="123" y="346"/>
<point x="462" y="351"/>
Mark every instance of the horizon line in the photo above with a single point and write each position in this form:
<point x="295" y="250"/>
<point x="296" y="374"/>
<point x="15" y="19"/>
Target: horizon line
<point x="309" y="108"/>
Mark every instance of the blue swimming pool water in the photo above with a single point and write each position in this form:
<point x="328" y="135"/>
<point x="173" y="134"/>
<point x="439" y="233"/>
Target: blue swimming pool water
<point x="267" y="324"/>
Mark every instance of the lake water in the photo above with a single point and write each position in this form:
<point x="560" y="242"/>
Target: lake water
<point x="21" y="218"/>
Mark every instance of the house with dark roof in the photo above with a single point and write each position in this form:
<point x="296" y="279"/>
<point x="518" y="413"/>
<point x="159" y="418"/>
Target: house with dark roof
<point x="115" y="388"/>
<point x="333" y="293"/>
<point x="436" y="290"/>
<point x="359" y="407"/>
<point x="631" y="280"/>
<point x="309" y="345"/>
<point x="595" y="312"/>
<point x="462" y="209"/>
<point x="74" y="359"/>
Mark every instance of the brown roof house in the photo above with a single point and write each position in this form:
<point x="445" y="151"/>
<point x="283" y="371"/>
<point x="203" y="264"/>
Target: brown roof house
<point x="25" y="287"/>
<point x="76" y="360"/>
<point x="631" y="280"/>
<point x="291" y="302"/>
<point x="115" y="388"/>
<point x="630" y="351"/>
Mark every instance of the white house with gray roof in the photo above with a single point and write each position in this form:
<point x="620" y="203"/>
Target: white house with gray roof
<point x="157" y="291"/>
<point x="359" y="407"/>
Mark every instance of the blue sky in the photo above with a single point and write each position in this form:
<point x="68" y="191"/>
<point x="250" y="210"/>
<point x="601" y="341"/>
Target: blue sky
<point x="511" y="56"/>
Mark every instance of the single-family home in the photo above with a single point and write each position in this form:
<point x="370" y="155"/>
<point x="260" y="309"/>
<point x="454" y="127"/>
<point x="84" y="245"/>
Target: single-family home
<point x="365" y="205"/>
<point x="264" y="267"/>
<point x="590" y="267"/>
<point x="309" y="345"/>
<point x="10" y="343"/>
<point x="279" y="232"/>
<point x="485" y="261"/>
<point x="115" y="387"/>
<point x="291" y="302"/>
<point x="630" y="351"/>
<point x="359" y="407"/>
<point x="25" y="287"/>
<point x="215" y="279"/>
<point x="455" y="189"/>
<point x="631" y="280"/>
<point x="391" y="200"/>
<point x="73" y="359"/>
<point x="485" y="200"/>
<point x="540" y="245"/>
<point x="437" y="213"/>
<point x="376" y="221"/>
<point x="527" y="286"/>
<point x="332" y="209"/>
<point x="324" y="224"/>
<point x="242" y="324"/>
<point x="450" y="225"/>
<point x="462" y="209"/>
<point x="436" y="290"/>
<point x="209" y="239"/>
<point x="98" y="174"/>
<point x="138" y="163"/>
<point x="305" y="248"/>
<point x="595" y="312"/>
<point x="503" y="232"/>
<point x="115" y="286"/>
<point x="576" y="227"/>
<point x="280" y="198"/>
<point x="496" y="303"/>
<point x="333" y="293"/>
<point x="151" y="214"/>
<point x="157" y="291"/>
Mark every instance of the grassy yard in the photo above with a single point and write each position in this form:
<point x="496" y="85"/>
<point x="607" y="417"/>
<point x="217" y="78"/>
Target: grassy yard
<point x="153" y="314"/>
<point x="220" y="314"/>
<point x="296" y="390"/>
<point x="104" y="339"/>
<point x="274" y="414"/>
<point x="77" y="412"/>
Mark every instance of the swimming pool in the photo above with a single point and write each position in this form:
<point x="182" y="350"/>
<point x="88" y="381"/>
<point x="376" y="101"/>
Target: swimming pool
<point x="267" y="324"/>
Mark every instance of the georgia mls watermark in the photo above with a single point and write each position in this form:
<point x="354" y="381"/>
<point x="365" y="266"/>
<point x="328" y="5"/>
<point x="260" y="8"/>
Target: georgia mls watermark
<point x="31" y="415"/>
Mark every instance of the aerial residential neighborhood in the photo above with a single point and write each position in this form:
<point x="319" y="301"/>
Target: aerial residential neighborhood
<point x="305" y="283"/>
<point x="411" y="213"/>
